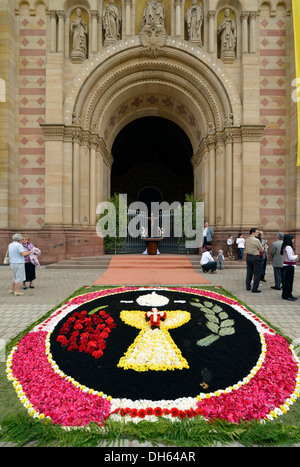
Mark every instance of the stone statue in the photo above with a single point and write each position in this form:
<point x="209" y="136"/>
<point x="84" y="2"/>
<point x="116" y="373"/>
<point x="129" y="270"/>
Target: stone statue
<point x="154" y="14"/>
<point x="227" y="34"/>
<point x="79" y="30"/>
<point x="153" y="34"/>
<point x="194" y="21"/>
<point x="112" y="19"/>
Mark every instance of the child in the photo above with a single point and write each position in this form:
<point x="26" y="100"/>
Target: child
<point x="220" y="259"/>
<point x="229" y="246"/>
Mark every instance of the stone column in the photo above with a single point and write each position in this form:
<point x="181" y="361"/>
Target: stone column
<point x="237" y="196"/>
<point x="228" y="178"/>
<point x="211" y="31"/>
<point x="220" y="181"/>
<point x="251" y="137"/>
<point x="76" y="177"/>
<point x="52" y="14"/>
<point x="128" y="18"/>
<point x="252" y="32"/>
<point x="54" y="173"/>
<point x="244" y="20"/>
<point x="212" y="180"/>
<point x="205" y="181"/>
<point x="92" y="185"/>
<point x="67" y="179"/>
<point x="178" y="18"/>
<point x="61" y="31"/>
<point x="94" y="33"/>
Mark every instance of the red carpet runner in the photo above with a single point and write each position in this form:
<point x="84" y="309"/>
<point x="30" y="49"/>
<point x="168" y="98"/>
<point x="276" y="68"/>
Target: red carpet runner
<point x="151" y="270"/>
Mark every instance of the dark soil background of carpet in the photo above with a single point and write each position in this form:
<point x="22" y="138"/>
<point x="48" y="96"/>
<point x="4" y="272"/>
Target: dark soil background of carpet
<point x="222" y="364"/>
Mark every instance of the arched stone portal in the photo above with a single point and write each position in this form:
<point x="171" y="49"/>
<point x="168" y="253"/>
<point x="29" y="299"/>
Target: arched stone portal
<point x="184" y="86"/>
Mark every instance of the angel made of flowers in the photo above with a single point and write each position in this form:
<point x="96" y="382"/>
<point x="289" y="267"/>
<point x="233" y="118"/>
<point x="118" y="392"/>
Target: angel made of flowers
<point x="153" y="348"/>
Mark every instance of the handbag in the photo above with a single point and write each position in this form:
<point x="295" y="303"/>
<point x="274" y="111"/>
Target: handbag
<point x="6" y="258"/>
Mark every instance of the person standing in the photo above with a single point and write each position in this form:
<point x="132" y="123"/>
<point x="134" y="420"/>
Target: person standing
<point x="264" y="255"/>
<point x="220" y="259"/>
<point x="253" y="249"/>
<point x="208" y="234"/>
<point x="17" y="262"/>
<point x="29" y="266"/>
<point x="277" y="260"/>
<point x="240" y="241"/>
<point x="288" y="269"/>
<point x="230" y="242"/>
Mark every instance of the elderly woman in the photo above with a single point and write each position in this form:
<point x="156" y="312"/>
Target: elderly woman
<point x="17" y="262"/>
<point x="29" y="266"/>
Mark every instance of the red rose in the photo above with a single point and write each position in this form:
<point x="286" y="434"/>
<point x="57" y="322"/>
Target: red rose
<point x="97" y="353"/>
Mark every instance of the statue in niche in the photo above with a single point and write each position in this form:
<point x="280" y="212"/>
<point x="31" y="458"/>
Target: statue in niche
<point x="154" y="14"/>
<point x="153" y="34"/>
<point x="227" y="35"/>
<point x="79" y="30"/>
<point x="112" y="19"/>
<point x="194" y="21"/>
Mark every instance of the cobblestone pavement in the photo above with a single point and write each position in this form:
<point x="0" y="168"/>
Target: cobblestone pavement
<point x="53" y="286"/>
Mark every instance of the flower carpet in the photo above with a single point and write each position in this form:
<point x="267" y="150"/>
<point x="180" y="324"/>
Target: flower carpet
<point x="147" y="353"/>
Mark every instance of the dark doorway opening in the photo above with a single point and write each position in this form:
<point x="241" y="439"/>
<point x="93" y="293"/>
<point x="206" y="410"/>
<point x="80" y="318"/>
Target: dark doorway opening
<point x="152" y="161"/>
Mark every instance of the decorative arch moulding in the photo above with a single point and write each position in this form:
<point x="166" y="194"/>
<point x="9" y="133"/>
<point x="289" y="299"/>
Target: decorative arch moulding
<point x="86" y="85"/>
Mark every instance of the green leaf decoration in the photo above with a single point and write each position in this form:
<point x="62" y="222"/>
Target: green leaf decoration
<point x="197" y="304"/>
<point x="206" y="341"/>
<point x="223" y="315"/>
<point x="227" y="322"/>
<point x="211" y="317"/>
<point x="208" y="310"/>
<point x="212" y="327"/>
<point x="97" y="309"/>
<point x="217" y="322"/>
<point x="226" y="331"/>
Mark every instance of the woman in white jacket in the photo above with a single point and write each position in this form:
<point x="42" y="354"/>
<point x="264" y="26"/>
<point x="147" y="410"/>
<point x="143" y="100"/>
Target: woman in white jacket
<point x="289" y="264"/>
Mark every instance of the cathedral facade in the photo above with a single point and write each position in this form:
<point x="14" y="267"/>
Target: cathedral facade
<point x="131" y="96"/>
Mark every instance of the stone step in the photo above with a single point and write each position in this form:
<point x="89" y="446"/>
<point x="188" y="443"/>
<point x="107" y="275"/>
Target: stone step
<point x="90" y="262"/>
<point x="134" y="261"/>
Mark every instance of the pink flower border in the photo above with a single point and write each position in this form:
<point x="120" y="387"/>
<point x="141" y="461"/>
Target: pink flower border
<point x="45" y="391"/>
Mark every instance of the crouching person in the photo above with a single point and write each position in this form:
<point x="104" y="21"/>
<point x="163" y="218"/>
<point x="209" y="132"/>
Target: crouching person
<point x="207" y="261"/>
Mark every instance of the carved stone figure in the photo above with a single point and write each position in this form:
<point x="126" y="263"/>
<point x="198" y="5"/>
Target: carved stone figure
<point x="112" y="22"/>
<point x="227" y="34"/>
<point x="79" y="30"/>
<point x="153" y="34"/>
<point x="154" y="14"/>
<point x="194" y="21"/>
